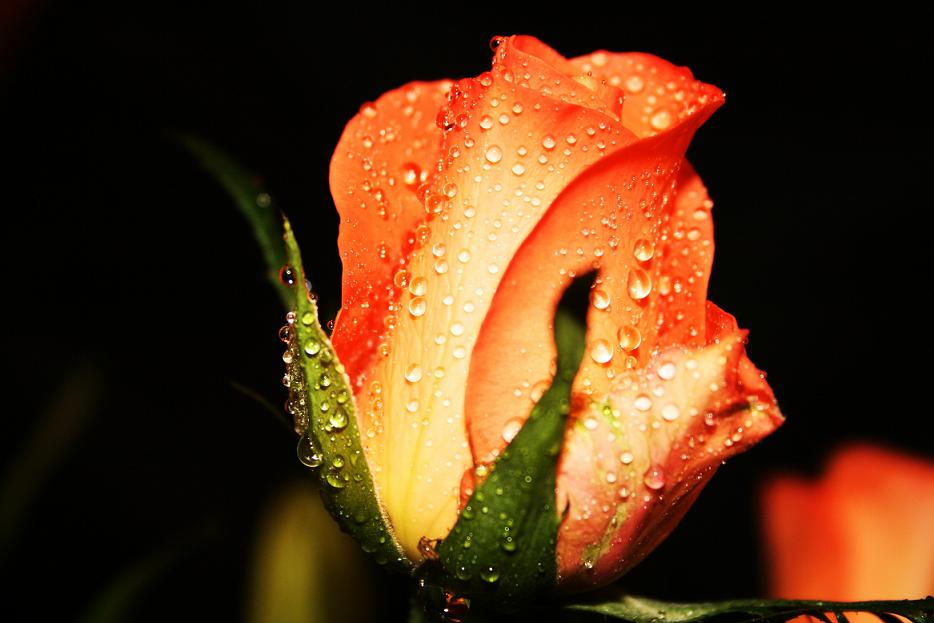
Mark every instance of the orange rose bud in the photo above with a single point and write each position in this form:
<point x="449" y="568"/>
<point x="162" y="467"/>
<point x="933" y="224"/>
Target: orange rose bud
<point x="466" y="209"/>
<point x="864" y="530"/>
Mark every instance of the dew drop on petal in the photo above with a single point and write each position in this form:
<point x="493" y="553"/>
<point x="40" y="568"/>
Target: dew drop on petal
<point x="511" y="429"/>
<point x="670" y="412"/>
<point x="643" y="250"/>
<point x="626" y="458"/>
<point x="486" y="122"/>
<point x="654" y="478"/>
<point x="418" y="286"/>
<point x="667" y="371"/>
<point x="601" y="351"/>
<point x="629" y="338"/>
<point x="417" y="306"/>
<point x="457" y="329"/>
<point x="600" y="299"/>
<point x="549" y="142"/>
<point x="661" y="120"/>
<point x="413" y="374"/>
<point x="518" y="169"/>
<point x="639" y="284"/>
<point x="642" y="402"/>
<point x="494" y="154"/>
<point x="634" y="83"/>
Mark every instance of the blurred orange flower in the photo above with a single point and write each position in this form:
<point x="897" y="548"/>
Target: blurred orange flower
<point x="864" y="531"/>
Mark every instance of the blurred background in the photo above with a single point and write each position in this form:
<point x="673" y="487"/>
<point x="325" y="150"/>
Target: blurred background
<point x="139" y="482"/>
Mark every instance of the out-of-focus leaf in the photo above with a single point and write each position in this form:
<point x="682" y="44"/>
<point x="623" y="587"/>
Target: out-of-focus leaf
<point x="55" y="432"/>
<point x="642" y="610"/>
<point x="254" y="203"/>
<point x="115" y="603"/>
<point x="304" y="569"/>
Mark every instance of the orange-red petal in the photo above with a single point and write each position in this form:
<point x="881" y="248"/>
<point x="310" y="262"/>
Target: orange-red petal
<point x="387" y="151"/>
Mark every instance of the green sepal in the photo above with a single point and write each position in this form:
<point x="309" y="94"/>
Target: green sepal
<point x="501" y="551"/>
<point x="322" y="402"/>
<point x="642" y="610"/>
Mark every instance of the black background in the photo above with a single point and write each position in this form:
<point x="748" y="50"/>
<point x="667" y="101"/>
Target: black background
<point x="121" y="257"/>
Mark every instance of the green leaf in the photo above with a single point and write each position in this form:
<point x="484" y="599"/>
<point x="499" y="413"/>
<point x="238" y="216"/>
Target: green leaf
<point x="116" y="601"/>
<point x="252" y="200"/>
<point x="642" y="610"/>
<point x="321" y="400"/>
<point x="501" y="551"/>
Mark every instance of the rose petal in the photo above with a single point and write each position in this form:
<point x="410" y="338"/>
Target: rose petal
<point x="385" y="153"/>
<point x="641" y="192"/>
<point x="634" y="463"/>
<point x="507" y="152"/>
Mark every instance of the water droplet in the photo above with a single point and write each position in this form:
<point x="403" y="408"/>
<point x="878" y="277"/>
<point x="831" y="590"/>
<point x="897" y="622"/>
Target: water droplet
<point x="600" y="299"/>
<point x="441" y="267"/>
<point x="667" y="371"/>
<point x="307" y="452"/>
<point x="287" y="356"/>
<point x="643" y="250"/>
<point x="308" y="319"/>
<point x="538" y="389"/>
<point x="670" y="412"/>
<point x="634" y="83"/>
<point x="418" y="286"/>
<point x="639" y="284"/>
<point x="494" y="154"/>
<point x="438" y="250"/>
<point x="401" y="278"/>
<point x="457" y="329"/>
<point x="339" y="419"/>
<point x="661" y="120"/>
<point x="288" y="276"/>
<point x="411" y="174"/>
<point x="463" y="256"/>
<point x="486" y="122"/>
<point x="654" y="478"/>
<point x="571" y="139"/>
<point x="459" y="352"/>
<point x="549" y="142"/>
<point x="611" y="477"/>
<point x="284" y="333"/>
<point x="290" y="317"/>
<point x="413" y="374"/>
<point x="503" y="119"/>
<point x="312" y="347"/>
<point x="626" y="458"/>
<point x="412" y="406"/>
<point x="417" y="306"/>
<point x="601" y="351"/>
<point x="511" y="429"/>
<point x="642" y="402"/>
<point x="335" y="479"/>
<point x="508" y="544"/>
<point x="623" y="493"/>
<point x="629" y="338"/>
<point x="489" y="574"/>
<point x="518" y="169"/>
<point x="517" y="108"/>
